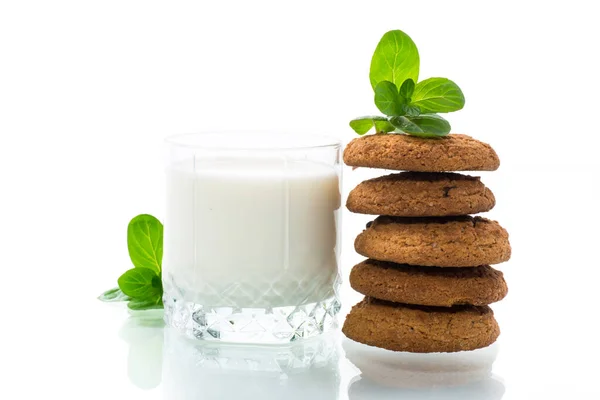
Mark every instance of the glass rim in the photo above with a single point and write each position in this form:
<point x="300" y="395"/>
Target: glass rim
<point x="251" y="140"/>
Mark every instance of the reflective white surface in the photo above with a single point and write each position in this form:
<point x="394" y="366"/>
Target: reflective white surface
<point x="163" y="364"/>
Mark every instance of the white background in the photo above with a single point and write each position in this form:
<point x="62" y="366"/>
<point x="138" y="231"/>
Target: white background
<point x="89" y="89"/>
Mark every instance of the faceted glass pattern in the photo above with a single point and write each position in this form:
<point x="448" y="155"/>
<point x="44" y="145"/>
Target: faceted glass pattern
<point x="251" y="325"/>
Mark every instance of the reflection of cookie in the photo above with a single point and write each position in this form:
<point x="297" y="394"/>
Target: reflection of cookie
<point x="394" y="370"/>
<point x="436" y="242"/>
<point x="404" y="152"/>
<point x="421" y="329"/>
<point x="421" y="194"/>
<point x="428" y="286"/>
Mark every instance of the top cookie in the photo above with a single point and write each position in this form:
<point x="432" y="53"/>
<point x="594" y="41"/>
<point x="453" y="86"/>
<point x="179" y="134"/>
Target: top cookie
<point x="400" y="152"/>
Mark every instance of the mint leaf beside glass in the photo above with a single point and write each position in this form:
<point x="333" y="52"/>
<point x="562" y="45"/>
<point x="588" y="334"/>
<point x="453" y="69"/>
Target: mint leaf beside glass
<point x="141" y="286"/>
<point x="140" y="283"/>
<point x="145" y="242"/>
<point x="113" y="295"/>
<point x="136" y="304"/>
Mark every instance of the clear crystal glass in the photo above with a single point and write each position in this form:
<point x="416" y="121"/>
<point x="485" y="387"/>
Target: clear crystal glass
<point x="251" y="239"/>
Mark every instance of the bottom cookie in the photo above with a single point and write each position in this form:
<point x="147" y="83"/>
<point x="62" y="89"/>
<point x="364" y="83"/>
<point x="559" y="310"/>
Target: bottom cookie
<point x="420" y="329"/>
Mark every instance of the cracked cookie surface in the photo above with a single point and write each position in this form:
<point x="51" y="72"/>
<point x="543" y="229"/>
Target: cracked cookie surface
<point x="421" y="194"/>
<point x="421" y="329"/>
<point x="455" y="152"/>
<point x="428" y="286"/>
<point x="436" y="242"/>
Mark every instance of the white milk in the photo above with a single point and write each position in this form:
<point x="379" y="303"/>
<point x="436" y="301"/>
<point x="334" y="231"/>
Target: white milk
<point x="251" y="232"/>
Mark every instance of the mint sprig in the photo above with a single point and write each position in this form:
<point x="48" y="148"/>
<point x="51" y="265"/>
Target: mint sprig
<point x="409" y="107"/>
<point x="141" y="286"/>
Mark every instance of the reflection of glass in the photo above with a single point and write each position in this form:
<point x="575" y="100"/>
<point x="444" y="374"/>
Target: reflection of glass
<point x="215" y="371"/>
<point x="251" y="233"/>
<point x="388" y="374"/>
<point x="145" y="338"/>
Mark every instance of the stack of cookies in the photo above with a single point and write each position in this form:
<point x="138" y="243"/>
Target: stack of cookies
<point x="427" y="280"/>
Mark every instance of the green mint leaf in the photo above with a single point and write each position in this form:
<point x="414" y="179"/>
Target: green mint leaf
<point x="363" y="125"/>
<point x="141" y="284"/>
<point x="410" y="111"/>
<point x="424" y="125"/>
<point x="145" y="242"/>
<point x="407" y="89"/>
<point x="113" y="295"/>
<point x="404" y="124"/>
<point x="384" y="126"/>
<point x="395" y="59"/>
<point x="387" y="98"/>
<point x="150" y="304"/>
<point x="432" y="124"/>
<point x="435" y="95"/>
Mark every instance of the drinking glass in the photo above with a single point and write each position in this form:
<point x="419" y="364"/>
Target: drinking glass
<point x="251" y="236"/>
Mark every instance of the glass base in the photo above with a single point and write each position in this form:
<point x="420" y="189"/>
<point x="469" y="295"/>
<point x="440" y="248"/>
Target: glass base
<point x="273" y="325"/>
<point x="196" y="369"/>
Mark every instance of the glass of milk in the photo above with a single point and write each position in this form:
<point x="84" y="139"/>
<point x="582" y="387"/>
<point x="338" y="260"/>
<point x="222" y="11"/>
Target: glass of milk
<point x="251" y="236"/>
